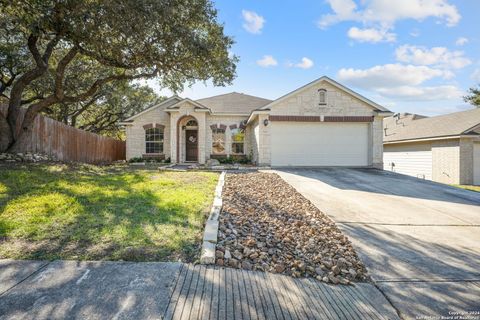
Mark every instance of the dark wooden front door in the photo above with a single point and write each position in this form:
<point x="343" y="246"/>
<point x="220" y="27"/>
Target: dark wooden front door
<point x="191" y="145"/>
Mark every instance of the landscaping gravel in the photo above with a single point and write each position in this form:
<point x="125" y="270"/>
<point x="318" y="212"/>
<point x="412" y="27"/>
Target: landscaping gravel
<point x="267" y="225"/>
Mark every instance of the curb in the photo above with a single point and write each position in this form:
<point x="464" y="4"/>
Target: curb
<point x="210" y="234"/>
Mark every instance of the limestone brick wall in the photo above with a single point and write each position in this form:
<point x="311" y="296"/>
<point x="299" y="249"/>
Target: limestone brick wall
<point x="377" y="142"/>
<point x="264" y="151"/>
<point x="135" y="133"/>
<point x="306" y="103"/>
<point x="228" y="121"/>
<point x="255" y="139"/>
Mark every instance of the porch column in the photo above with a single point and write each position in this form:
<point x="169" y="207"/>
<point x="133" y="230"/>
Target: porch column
<point x="173" y="136"/>
<point x="202" y="136"/>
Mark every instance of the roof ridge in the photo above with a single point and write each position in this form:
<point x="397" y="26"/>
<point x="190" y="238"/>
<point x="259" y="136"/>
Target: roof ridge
<point x="234" y="92"/>
<point x="452" y="114"/>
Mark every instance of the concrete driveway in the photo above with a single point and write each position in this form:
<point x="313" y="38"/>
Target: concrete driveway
<point x="420" y="240"/>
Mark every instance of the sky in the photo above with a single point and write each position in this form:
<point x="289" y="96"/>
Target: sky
<point x="417" y="56"/>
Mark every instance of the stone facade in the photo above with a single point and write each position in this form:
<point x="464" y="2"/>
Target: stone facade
<point x="306" y="103"/>
<point x="228" y="121"/>
<point x="338" y="103"/>
<point x="135" y="132"/>
<point x="340" y="106"/>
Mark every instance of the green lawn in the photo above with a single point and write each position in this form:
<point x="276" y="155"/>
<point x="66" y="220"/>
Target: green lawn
<point x="102" y="213"/>
<point x="468" y="187"/>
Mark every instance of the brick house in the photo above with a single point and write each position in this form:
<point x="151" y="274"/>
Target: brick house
<point x="320" y="124"/>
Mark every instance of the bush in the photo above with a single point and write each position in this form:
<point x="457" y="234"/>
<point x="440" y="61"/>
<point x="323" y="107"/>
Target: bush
<point x="136" y="159"/>
<point x="225" y="160"/>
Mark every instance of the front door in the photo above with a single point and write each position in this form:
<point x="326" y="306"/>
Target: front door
<point x="191" y="145"/>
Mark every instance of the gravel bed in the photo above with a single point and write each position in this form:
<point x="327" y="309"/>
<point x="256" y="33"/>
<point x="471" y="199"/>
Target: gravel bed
<point x="267" y="225"/>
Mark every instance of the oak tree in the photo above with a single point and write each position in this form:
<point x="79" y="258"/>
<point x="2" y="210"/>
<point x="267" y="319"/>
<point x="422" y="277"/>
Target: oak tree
<point x="51" y="42"/>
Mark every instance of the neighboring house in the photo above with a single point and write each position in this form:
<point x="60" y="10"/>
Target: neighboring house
<point x="443" y="148"/>
<point x="320" y="124"/>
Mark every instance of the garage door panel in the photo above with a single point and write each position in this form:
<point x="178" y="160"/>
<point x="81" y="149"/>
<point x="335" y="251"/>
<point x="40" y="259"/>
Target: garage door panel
<point x="319" y="144"/>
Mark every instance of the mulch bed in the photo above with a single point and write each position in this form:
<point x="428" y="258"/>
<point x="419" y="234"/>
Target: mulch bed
<point x="267" y="225"/>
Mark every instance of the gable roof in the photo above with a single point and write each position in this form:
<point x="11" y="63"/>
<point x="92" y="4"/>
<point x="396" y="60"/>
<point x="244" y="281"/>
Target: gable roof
<point x="412" y="127"/>
<point x="176" y="105"/>
<point x="166" y="103"/>
<point x="234" y="102"/>
<point x="334" y="83"/>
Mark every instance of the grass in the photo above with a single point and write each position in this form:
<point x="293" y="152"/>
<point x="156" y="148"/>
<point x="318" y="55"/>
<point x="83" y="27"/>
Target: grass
<point x="468" y="187"/>
<point x="87" y="212"/>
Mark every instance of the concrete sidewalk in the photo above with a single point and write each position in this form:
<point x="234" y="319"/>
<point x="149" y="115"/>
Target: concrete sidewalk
<point x="127" y="290"/>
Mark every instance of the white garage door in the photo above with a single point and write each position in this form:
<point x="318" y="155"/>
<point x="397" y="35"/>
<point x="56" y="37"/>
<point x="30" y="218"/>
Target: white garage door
<point x="416" y="162"/>
<point x="476" y="163"/>
<point x="319" y="144"/>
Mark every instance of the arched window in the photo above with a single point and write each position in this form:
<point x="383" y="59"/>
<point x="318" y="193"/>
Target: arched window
<point x="192" y="123"/>
<point x="322" y="96"/>
<point x="154" y="140"/>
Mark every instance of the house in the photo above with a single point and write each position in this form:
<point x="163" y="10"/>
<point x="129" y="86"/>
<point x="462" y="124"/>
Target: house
<point x="444" y="148"/>
<point x="320" y="124"/>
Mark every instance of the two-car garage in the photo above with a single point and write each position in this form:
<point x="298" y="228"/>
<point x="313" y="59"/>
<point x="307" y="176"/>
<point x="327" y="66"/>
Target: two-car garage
<point x="319" y="143"/>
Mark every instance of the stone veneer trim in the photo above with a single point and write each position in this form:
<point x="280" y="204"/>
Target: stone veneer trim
<point x="319" y="118"/>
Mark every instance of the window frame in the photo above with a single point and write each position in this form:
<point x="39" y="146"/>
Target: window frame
<point x="152" y="139"/>
<point x="233" y="132"/>
<point x="218" y="131"/>
<point x="322" y="93"/>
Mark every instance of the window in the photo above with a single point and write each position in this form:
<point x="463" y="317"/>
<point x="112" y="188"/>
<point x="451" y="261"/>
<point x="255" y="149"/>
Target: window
<point x="322" y="95"/>
<point x="218" y="141"/>
<point x="154" y="140"/>
<point x="192" y="123"/>
<point x="238" y="137"/>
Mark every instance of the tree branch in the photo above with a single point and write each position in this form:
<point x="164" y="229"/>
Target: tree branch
<point x="60" y="72"/>
<point x="97" y="84"/>
<point x="41" y="62"/>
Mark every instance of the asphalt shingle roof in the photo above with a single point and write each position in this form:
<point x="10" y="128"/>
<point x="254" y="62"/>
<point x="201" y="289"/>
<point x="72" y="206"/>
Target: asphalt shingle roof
<point x="235" y="103"/>
<point x="411" y="126"/>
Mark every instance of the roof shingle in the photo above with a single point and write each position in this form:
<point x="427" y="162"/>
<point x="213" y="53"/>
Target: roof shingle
<point x="234" y="103"/>
<point x="412" y="127"/>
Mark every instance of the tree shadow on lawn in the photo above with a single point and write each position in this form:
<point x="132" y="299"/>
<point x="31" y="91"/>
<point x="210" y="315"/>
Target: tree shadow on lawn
<point x="99" y="215"/>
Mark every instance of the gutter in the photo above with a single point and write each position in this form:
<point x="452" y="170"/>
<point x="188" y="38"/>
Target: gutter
<point x="257" y="112"/>
<point x="430" y="139"/>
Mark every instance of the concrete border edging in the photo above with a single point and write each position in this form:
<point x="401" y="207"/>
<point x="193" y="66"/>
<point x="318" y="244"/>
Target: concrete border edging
<point x="210" y="234"/>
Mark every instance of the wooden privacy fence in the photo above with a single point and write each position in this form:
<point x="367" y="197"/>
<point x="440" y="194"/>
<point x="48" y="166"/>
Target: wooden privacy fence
<point x="67" y="143"/>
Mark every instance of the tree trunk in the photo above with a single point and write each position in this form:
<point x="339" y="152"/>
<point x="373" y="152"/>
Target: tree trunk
<point x="6" y="138"/>
<point x="22" y="142"/>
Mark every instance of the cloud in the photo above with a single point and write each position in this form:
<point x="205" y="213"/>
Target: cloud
<point x="437" y="56"/>
<point x="253" y="22"/>
<point x="415" y="33"/>
<point x="267" y="61"/>
<point x="304" y="64"/>
<point x="389" y="74"/>
<point x="387" y="12"/>
<point x="461" y="41"/>
<point x="370" y="35"/>
<point x="403" y="82"/>
<point x="476" y="75"/>
<point x="383" y="14"/>
<point x="421" y="93"/>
